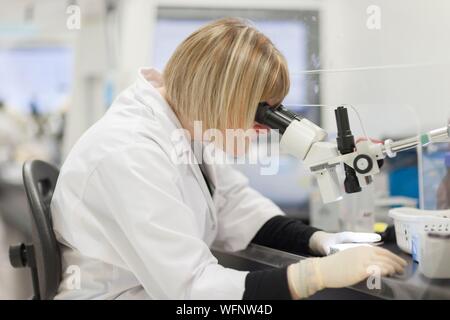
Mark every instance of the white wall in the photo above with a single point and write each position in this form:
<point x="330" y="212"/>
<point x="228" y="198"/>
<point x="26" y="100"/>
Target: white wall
<point x="413" y="32"/>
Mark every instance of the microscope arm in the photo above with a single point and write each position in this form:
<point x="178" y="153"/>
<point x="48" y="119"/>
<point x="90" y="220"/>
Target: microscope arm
<point x="324" y="157"/>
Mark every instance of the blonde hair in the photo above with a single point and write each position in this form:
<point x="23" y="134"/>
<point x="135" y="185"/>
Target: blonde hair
<point x="221" y="72"/>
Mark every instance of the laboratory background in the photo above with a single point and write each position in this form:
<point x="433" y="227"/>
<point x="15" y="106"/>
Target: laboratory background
<point x="62" y="63"/>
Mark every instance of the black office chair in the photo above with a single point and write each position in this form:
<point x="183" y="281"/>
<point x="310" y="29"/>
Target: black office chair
<point x="42" y="256"/>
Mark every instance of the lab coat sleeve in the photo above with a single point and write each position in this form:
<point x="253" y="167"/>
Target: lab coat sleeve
<point x="242" y="211"/>
<point x="135" y="196"/>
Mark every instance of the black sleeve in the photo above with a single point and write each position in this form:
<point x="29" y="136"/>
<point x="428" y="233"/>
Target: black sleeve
<point x="269" y="284"/>
<point x="282" y="233"/>
<point x="285" y="233"/>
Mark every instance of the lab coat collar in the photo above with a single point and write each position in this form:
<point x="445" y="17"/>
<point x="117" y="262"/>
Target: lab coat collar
<point x="149" y="79"/>
<point x="148" y="82"/>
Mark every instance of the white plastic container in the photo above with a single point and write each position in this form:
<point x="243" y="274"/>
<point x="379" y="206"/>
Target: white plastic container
<point x="435" y="255"/>
<point x="410" y="223"/>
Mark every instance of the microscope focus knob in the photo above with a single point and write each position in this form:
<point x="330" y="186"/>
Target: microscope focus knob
<point x="362" y="164"/>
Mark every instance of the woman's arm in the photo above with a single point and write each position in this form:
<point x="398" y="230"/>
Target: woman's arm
<point x="269" y="284"/>
<point x="282" y="233"/>
<point x="339" y="270"/>
<point x="285" y="233"/>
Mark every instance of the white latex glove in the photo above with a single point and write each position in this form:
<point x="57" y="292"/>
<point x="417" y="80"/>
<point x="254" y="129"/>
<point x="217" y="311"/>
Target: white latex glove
<point x="342" y="269"/>
<point x="320" y="242"/>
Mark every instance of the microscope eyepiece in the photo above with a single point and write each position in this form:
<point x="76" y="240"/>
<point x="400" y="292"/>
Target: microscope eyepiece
<point x="261" y="112"/>
<point x="275" y="117"/>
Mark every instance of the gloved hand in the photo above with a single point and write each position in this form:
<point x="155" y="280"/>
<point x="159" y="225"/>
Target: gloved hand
<point x="320" y="242"/>
<point x="341" y="269"/>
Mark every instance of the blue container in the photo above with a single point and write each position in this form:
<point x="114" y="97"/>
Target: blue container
<point x="447" y="159"/>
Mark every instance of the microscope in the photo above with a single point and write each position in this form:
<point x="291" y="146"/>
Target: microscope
<point x="305" y="140"/>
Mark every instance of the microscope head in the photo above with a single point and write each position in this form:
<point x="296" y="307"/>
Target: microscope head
<point x="306" y="141"/>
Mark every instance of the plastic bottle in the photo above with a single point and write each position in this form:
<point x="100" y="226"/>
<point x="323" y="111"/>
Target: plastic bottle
<point x="443" y="193"/>
<point x="357" y="212"/>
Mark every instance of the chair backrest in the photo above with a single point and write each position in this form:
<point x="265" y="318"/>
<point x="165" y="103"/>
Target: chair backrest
<point x="39" y="180"/>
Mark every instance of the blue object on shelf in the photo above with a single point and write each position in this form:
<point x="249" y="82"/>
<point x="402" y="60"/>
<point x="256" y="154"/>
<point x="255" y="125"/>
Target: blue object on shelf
<point x="447" y="159"/>
<point x="404" y="182"/>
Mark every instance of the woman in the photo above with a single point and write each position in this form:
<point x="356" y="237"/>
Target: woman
<point x="135" y="220"/>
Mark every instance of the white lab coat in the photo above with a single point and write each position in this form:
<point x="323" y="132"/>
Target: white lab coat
<point x="134" y="223"/>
